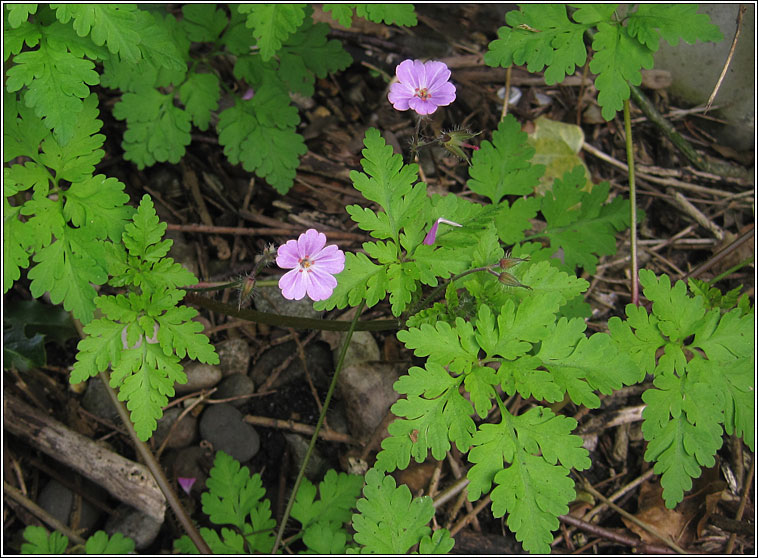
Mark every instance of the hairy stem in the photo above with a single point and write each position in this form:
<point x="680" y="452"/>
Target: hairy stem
<point x="439" y="288"/>
<point x="321" y="417"/>
<point x="288" y="321"/>
<point x="632" y="202"/>
<point x="155" y="468"/>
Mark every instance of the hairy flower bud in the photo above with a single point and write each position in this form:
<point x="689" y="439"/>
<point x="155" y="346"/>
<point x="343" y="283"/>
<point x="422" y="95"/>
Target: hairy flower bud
<point x="455" y="140"/>
<point x="507" y="279"/>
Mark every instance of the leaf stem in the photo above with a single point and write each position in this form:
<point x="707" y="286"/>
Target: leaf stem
<point x="424" y="303"/>
<point x="632" y="203"/>
<point x="155" y="468"/>
<point x="321" y="417"/>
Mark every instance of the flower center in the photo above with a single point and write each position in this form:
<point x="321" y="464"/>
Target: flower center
<point x="423" y="94"/>
<point x="305" y="263"/>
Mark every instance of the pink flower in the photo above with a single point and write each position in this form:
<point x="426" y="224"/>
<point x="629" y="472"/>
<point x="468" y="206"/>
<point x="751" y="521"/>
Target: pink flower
<point x="431" y="236"/>
<point x="186" y="483"/>
<point x="421" y="86"/>
<point x="311" y="264"/>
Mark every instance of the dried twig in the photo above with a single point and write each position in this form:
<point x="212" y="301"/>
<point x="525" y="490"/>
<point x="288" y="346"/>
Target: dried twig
<point x="743" y="9"/>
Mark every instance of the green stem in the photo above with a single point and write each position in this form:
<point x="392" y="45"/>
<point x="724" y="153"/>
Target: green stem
<point x="730" y="271"/>
<point x="288" y="321"/>
<point x="157" y="471"/>
<point x="322" y="416"/>
<point x="632" y="202"/>
<point x="433" y="295"/>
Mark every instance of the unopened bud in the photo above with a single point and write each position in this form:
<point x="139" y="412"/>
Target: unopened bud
<point x="246" y="289"/>
<point x="455" y="140"/>
<point x="508" y="262"/>
<point x="507" y="279"/>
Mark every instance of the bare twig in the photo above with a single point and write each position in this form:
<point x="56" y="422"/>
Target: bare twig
<point x="301" y="428"/>
<point x="14" y="493"/>
<point x="743" y="502"/>
<point x="742" y="10"/>
<point x="720" y="255"/>
<point x="647" y="527"/>
<point x="615" y="537"/>
<point x="471" y="515"/>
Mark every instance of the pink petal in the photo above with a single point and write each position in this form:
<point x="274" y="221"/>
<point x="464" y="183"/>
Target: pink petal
<point x="186" y="483"/>
<point x="421" y="106"/>
<point x="410" y="72"/>
<point x="293" y="284"/>
<point x="399" y="95"/>
<point x="437" y="73"/>
<point x="432" y="234"/>
<point x="287" y="255"/>
<point x="310" y="243"/>
<point x="443" y="94"/>
<point x="320" y="285"/>
<point x="330" y="260"/>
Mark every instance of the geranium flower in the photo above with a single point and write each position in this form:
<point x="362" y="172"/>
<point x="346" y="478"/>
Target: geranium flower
<point x="186" y="483"/>
<point x="421" y="86"/>
<point x="312" y="266"/>
<point x="431" y="236"/>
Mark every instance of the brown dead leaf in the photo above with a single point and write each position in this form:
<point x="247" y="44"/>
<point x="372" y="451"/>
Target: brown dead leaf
<point x="416" y="476"/>
<point x="652" y="511"/>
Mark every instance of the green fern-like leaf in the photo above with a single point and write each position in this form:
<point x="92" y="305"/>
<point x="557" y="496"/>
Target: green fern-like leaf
<point x="502" y="167"/>
<point x="435" y="414"/>
<point x="272" y="24"/>
<point x="235" y="497"/>
<point x="114" y="25"/>
<point x="158" y="131"/>
<point x="693" y="398"/>
<point x="39" y="541"/>
<point x="260" y="134"/>
<point x="389" y="520"/>
<point x="56" y="82"/>
<point x="534" y="489"/>
<point x="581" y="223"/>
<point x="143" y="336"/>
<point x="540" y="35"/>
<point x="398" y="14"/>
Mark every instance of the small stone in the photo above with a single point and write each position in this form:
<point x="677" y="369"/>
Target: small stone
<point x="235" y="385"/>
<point x="317" y="355"/>
<point x="367" y="392"/>
<point x="191" y="462"/>
<point x="97" y="401"/>
<point x="233" y="356"/>
<point x="199" y="376"/>
<point x="223" y="426"/>
<point x="58" y="501"/>
<point x="270" y="299"/>
<point x="184" y="433"/>
<point x="132" y="523"/>
<point x="316" y="466"/>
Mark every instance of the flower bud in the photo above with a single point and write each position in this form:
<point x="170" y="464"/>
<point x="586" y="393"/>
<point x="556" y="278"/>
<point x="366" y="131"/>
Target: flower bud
<point x="507" y="279"/>
<point x="454" y="140"/>
<point x="508" y="262"/>
<point x="246" y="289"/>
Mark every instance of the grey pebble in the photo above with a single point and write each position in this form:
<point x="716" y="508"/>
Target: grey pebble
<point x="58" y="501"/>
<point x="132" y="523"/>
<point x="233" y="386"/>
<point x="184" y="433"/>
<point x="199" y="376"/>
<point x="223" y="426"/>
<point x="233" y="356"/>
